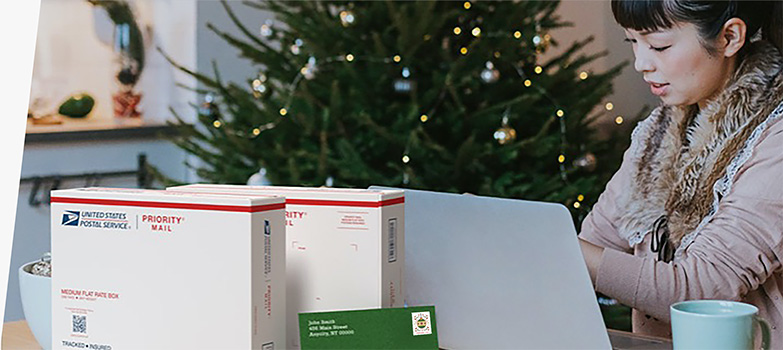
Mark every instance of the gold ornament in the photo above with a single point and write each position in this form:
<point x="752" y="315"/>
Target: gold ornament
<point x="505" y="134"/>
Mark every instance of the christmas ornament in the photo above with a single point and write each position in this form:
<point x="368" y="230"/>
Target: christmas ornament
<point x="43" y="267"/>
<point x="266" y="28"/>
<point x="541" y="42"/>
<point x="490" y="74"/>
<point x="404" y="85"/>
<point x="208" y="108"/>
<point x="77" y="106"/>
<point x="258" y="179"/>
<point x="505" y="134"/>
<point x="587" y="162"/>
<point x="347" y="18"/>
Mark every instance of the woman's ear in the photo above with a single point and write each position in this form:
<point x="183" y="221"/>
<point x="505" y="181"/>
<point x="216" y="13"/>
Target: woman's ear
<point x="733" y="36"/>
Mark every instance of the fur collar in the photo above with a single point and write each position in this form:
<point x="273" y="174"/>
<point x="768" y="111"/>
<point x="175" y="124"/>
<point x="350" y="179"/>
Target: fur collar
<point x="680" y="152"/>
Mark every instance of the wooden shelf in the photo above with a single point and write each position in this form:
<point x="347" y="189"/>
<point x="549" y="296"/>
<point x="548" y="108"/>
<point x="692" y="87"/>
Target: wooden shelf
<point x="95" y="130"/>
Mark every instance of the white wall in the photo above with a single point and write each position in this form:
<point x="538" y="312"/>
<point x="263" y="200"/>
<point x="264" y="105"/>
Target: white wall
<point x="74" y="54"/>
<point x="71" y="57"/>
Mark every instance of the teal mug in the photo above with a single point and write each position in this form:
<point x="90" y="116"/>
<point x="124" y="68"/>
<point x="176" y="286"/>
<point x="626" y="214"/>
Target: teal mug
<point x="716" y="324"/>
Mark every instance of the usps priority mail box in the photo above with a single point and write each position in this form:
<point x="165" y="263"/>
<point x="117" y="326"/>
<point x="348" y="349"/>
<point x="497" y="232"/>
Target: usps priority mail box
<point x="344" y="247"/>
<point x="143" y="269"/>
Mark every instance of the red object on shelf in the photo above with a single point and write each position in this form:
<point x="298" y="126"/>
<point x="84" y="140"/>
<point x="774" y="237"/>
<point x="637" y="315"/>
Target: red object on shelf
<point x="126" y="103"/>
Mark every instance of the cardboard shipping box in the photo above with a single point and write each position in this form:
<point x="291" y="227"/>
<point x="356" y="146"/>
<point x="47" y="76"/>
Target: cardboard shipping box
<point x="344" y="247"/>
<point x="143" y="269"/>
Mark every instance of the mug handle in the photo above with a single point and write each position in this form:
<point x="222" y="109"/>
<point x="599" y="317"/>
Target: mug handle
<point x="764" y="332"/>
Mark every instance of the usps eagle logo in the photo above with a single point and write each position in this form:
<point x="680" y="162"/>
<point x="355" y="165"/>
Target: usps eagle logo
<point x="422" y="324"/>
<point x="70" y="218"/>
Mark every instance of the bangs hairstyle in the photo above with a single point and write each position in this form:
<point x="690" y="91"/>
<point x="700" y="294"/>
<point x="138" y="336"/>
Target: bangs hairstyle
<point x="707" y="16"/>
<point x="642" y="15"/>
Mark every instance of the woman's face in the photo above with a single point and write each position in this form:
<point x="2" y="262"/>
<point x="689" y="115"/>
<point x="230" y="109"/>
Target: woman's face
<point x="677" y="67"/>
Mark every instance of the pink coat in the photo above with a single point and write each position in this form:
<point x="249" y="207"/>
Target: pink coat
<point x="736" y="256"/>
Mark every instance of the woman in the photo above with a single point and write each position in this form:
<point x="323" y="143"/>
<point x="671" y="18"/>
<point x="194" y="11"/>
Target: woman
<point x="696" y="209"/>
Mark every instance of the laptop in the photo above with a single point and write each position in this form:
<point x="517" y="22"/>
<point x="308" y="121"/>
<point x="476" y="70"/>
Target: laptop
<point x="502" y="273"/>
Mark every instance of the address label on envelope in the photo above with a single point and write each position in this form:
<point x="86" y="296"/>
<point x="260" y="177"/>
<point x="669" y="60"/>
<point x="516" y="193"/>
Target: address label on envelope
<point x="393" y="328"/>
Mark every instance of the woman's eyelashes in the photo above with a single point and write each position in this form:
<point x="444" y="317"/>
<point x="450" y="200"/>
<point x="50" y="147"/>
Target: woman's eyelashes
<point x="658" y="48"/>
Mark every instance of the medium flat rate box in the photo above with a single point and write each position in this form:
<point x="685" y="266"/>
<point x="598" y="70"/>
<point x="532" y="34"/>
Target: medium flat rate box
<point x="344" y="248"/>
<point x="142" y="269"/>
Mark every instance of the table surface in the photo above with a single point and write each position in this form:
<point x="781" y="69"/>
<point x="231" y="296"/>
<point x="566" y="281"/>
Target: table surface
<point x="17" y="336"/>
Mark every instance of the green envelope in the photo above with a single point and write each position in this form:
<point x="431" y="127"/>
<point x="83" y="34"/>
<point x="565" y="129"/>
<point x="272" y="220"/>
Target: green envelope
<point x="397" y="328"/>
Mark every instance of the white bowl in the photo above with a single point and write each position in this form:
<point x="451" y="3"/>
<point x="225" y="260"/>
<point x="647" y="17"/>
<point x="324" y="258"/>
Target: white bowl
<point x="36" y="294"/>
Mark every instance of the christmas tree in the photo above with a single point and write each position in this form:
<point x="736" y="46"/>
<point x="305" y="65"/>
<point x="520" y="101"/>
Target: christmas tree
<point x="437" y="95"/>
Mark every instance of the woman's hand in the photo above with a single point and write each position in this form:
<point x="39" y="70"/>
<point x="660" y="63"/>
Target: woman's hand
<point x="592" y="254"/>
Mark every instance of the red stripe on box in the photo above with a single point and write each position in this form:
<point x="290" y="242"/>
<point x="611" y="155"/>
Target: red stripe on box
<point x="320" y="202"/>
<point x="191" y="206"/>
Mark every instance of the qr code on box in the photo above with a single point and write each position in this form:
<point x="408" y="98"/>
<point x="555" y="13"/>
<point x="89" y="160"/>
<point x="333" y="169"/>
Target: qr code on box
<point x="79" y="324"/>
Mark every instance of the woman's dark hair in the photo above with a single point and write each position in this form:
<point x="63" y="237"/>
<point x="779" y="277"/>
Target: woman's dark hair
<point x="707" y="16"/>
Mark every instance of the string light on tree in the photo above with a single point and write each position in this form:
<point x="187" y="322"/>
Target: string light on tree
<point x="609" y="106"/>
<point x="397" y="58"/>
<point x="283" y="111"/>
<point x="217" y="124"/>
<point x="517" y="34"/>
<point x="618" y="120"/>
<point x="406" y="159"/>
<point x="476" y="32"/>
<point x="538" y="70"/>
<point x="424" y="118"/>
<point x="466" y="5"/>
<point x="457" y="30"/>
<point x="583" y="75"/>
<point x="349" y="57"/>
<point x="528" y="83"/>
<point x="560" y="113"/>
<point x="463" y="50"/>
